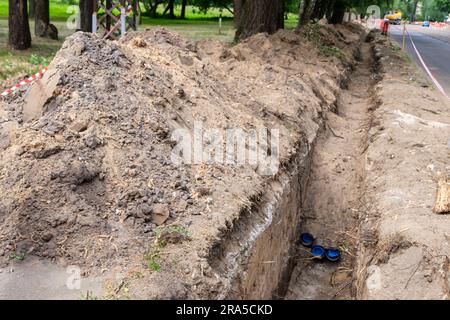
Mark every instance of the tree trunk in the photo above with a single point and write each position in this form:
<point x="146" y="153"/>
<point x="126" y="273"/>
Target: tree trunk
<point x="42" y="25"/>
<point x="154" y="10"/>
<point x="31" y="9"/>
<point x="183" y="9"/>
<point x="329" y="10"/>
<point x="320" y="9"/>
<point x="171" y="9"/>
<point x="86" y="11"/>
<point x="41" y="17"/>
<point x="19" y="29"/>
<point x="338" y="12"/>
<point x="280" y="22"/>
<point x="237" y="6"/>
<point x="414" y="11"/>
<point x="260" y="16"/>
<point x="306" y="10"/>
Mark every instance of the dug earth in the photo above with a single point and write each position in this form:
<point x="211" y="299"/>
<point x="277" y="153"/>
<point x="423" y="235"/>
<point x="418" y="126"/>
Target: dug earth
<point x="88" y="180"/>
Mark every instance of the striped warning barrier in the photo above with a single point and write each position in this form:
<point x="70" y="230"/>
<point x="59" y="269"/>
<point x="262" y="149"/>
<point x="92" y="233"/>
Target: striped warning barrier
<point x="25" y="82"/>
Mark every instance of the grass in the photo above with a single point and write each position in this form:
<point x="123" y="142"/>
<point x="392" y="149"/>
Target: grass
<point x="152" y="258"/>
<point x="14" y="63"/>
<point x="164" y="235"/>
<point x="17" y="256"/>
<point x="331" y="51"/>
<point x="58" y="10"/>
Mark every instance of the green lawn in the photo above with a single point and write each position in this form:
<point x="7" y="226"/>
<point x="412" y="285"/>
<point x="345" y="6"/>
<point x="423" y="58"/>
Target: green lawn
<point x="59" y="12"/>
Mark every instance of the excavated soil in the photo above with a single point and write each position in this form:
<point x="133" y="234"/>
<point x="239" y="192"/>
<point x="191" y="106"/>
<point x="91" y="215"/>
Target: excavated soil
<point x="87" y="177"/>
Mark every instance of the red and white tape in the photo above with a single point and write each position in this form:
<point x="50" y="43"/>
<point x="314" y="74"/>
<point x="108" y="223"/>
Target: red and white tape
<point x="25" y="82"/>
<point x="40" y="74"/>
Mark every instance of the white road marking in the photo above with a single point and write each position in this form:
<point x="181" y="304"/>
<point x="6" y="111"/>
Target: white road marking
<point x="436" y="83"/>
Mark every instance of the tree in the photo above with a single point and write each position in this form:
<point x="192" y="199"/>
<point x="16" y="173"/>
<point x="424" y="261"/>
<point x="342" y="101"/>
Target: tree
<point x="86" y="11"/>
<point x="31" y="9"/>
<point x="151" y="7"/>
<point x="321" y="8"/>
<point x="42" y="17"/>
<point x="259" y="16"/>
<point x="414" y="12"/>
<point x="42" y="26"/>
<point x="19" y="29"/>
<point x="170" y="8"/>
<point x="183" y="9"/>
<point x="436" y="10"/>
<point x="338" y="12"/>
<point x="237" y="6"/>
<point x="305" y="10"/>
<point x="204" y="5"/>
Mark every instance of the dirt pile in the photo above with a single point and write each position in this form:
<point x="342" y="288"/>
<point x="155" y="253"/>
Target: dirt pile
<point x="87" y="173"/>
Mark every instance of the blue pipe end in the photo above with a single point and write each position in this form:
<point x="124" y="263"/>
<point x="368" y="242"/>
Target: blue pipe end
<point x="307" y="240"/>
<point x="318" y="252"/>
<point x="333" y="254"/>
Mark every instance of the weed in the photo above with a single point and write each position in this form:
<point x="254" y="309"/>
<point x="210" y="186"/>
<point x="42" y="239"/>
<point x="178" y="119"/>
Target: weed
<point x="38" y="60"/>
<point x="152" y="259"/>
<point x="331" y="51"/>
<point x="171" y="234"/>
<point x="138" y="275"/>
<point x="17" y="256"/>
<point x="176" y="228"/>
<point x="395" y="47"/>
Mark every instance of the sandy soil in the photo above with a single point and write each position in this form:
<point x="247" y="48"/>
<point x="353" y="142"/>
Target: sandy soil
<point x="404" y="246"/>
<point x="86" y="172"/>
<point x="87" y="176"/>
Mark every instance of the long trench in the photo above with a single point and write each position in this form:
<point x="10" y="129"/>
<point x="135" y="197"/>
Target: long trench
<point x="318" y="194"/>
<point x="332" y="205"/>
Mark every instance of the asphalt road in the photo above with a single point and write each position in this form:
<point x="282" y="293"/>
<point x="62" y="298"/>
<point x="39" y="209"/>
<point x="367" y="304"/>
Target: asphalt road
<point x="433" y="45"/>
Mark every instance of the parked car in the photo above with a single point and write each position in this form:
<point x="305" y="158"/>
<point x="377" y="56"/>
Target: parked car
<point x="426" y="24"/>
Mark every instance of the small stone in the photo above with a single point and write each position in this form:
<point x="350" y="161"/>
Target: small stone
<point x="92" y="141"/>
<point x="160" y="213"/>
<point x="203" y="191"/>
<point x="139" y="42"/>
<point x="181" y="207"/>
<point x="79" y="48"/>
<point x="47" y="237"/>
<point x="78" y="126"/>
<point x="53" y="127"/>
<point x="132" y="172"/>
<point x="145" y="209"/>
